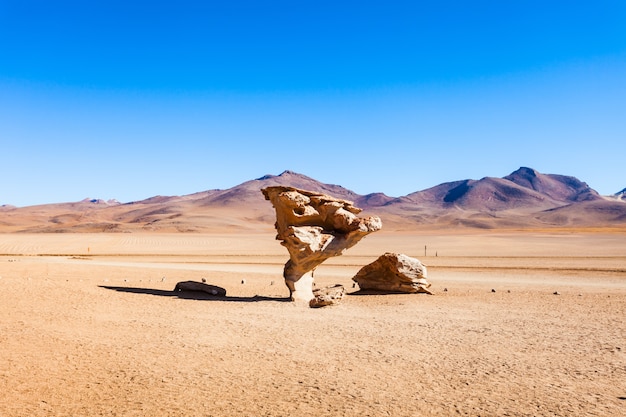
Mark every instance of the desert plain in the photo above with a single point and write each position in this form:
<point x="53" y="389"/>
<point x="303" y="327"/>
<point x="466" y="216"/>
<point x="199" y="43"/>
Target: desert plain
<point x="521" y="323"/>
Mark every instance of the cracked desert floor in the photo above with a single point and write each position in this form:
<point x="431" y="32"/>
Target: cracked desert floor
<point x="89" y="326"/>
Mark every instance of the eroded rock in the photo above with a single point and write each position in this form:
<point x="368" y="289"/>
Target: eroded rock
<point x="393" y="272"/>
<point x="314" y="227"/>
<point x="327" y="296"/>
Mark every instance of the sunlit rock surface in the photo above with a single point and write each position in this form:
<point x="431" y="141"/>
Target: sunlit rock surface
<point x="314" y="227"/>
<point x="327" y="296"/>
<point x="393" y="272"/>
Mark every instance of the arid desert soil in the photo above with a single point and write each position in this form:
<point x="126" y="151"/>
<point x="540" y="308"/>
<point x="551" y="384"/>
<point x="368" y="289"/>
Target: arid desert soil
<point x="89" y="326"/>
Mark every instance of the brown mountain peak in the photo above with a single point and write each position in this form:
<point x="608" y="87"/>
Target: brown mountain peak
<point x="558" y="187"/>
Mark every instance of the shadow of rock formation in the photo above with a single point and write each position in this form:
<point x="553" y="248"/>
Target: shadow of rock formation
<point x="193" y="295"/>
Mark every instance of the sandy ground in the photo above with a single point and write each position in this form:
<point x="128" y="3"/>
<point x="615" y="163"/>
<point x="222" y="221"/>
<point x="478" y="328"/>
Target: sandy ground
<point x="89" y="326"/>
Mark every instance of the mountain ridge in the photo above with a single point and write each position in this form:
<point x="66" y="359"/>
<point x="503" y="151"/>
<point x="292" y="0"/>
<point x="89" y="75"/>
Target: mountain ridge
<point x="523" y="199"/>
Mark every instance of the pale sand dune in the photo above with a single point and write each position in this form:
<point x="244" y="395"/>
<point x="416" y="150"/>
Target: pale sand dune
<point x="89" y="327"/>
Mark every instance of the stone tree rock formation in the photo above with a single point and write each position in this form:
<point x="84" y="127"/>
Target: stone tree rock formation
<point x="314" y="227"/>
<point x="393" y="272"/>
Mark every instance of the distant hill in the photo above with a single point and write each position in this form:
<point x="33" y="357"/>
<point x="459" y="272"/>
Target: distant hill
<point x="487" y="194"/>
<point x="523" y="199"/>
<point x="559" y="187"/>
<point x="524" y="189"/>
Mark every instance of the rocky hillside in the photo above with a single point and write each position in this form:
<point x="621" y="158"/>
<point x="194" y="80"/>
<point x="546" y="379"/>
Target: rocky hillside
<point x="523" y="199"/>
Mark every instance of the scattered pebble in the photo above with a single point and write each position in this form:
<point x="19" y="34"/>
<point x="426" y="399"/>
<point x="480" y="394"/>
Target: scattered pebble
<point x="243" y="281"/>
<point x="163" y="279"/>
<point x="271" y="282"/>
<point x="493" y="290"/>
<point x="203" y="279"/>
<point x="556" y="293"/>
<point x="445" y="289"/>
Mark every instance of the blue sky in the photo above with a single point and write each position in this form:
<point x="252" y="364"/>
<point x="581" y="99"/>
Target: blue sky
<point x="127" y="100"/>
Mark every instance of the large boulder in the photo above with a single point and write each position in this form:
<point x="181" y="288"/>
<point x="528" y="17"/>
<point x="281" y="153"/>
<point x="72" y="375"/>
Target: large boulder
<point x="393" y="272"/>
<point x="314" y="227"/>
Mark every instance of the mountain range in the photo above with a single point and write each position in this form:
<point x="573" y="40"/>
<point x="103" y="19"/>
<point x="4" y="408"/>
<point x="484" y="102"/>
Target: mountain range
<point x="525" y="199"/>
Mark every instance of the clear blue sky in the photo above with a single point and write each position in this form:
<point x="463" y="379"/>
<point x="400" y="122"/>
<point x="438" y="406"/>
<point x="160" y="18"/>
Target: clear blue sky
<point x="127" y="100"/>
